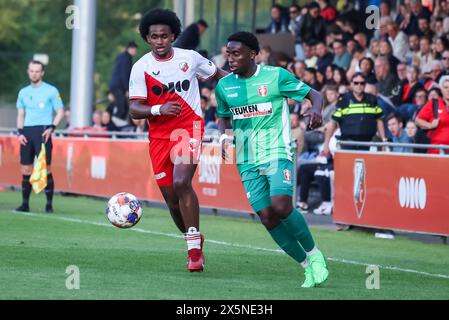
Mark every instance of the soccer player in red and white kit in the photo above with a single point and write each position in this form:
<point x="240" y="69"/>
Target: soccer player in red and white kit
<point x="163" y="88"/>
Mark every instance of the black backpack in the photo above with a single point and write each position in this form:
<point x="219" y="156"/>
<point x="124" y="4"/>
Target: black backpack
<point x="424" y="136"/>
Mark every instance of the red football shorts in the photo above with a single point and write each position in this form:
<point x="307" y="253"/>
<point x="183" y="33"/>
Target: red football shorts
<point x="165" y="154"/>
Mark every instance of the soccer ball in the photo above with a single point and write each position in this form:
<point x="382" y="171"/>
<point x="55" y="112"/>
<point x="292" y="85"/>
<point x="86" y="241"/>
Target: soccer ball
<point x="124" y="210"/>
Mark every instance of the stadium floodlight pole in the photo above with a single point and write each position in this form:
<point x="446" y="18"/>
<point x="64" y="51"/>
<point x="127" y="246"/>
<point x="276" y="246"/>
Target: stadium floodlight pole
<point x="83" y="59"/>
<point x="185" y="10"/>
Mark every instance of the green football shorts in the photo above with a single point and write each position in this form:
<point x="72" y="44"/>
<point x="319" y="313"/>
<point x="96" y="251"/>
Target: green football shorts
<point x="267" y="180"/>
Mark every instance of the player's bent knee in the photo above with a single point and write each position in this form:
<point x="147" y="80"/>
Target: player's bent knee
<point x="181" y="184"/>
<point x="268" y="218"/>
<point x="282" y="207"/>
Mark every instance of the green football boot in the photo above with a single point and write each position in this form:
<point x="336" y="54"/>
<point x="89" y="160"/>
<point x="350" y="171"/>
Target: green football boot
<point x="319" y="268"/>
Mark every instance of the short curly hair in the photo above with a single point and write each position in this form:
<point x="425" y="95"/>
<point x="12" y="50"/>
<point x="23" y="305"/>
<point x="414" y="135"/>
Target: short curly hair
<point x="159" y="16"/>
<point x="247" y="38"/>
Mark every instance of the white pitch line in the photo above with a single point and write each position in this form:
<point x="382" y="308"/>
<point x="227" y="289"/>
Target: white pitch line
<point x="235" y="245"/>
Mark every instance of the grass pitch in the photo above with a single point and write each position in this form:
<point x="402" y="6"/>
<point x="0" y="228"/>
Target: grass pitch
<point x="149" y="260"/>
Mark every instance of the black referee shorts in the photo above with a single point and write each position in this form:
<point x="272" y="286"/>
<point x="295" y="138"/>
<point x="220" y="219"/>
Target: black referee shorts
<point x="31" y="150"/>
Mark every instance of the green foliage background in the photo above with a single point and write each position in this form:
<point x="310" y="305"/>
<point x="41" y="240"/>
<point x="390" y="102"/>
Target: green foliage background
<point x="28" y="27"/>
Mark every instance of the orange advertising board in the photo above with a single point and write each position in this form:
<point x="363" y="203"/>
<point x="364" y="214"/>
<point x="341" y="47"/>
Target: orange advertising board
<point x="392" y="191"/>
<point x="104" y="167"/>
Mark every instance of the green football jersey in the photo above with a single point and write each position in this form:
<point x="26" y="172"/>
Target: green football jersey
<point x="260" y="113"/>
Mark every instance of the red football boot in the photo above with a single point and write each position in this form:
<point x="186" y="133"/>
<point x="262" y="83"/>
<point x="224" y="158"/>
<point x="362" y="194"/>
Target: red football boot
<point x="195" y="258"/>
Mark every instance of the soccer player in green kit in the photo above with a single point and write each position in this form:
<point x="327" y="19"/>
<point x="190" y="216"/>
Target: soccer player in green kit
<point x="255" y="98"/>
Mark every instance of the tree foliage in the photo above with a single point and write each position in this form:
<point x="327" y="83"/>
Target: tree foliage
<point x="28" y="27"/>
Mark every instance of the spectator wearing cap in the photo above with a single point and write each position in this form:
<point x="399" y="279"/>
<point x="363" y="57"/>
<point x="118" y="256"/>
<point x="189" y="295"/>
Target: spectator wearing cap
<point x="358" y="115"/>
<point x="438" y="127"/>
<point x="119" y="84"/>
<point x="190" y="38"/>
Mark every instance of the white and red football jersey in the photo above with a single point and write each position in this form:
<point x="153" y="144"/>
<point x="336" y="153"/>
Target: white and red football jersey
<point x="172" y="79"/>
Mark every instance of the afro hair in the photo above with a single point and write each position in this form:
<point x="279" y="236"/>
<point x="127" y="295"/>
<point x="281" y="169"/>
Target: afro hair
<point x="247" y="38"/>
<point x="159" y="16"/>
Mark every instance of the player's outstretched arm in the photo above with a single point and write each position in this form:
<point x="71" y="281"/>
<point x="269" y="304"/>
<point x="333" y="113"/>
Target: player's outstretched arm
<point x="220" y="74"/>
<point x="139" y="110"/>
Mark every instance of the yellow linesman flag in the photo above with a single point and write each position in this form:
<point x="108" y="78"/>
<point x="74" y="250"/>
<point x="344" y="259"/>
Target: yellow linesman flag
<point x="38" y="178"/>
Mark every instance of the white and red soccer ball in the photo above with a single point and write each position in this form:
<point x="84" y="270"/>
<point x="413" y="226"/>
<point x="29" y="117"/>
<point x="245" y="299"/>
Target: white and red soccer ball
<point x="124" y="210"/>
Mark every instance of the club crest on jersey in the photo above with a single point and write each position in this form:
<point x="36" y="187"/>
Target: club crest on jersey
<point x="263" y="91"/>
<point x="184" y="66"/>
<point x="287" y="175"/>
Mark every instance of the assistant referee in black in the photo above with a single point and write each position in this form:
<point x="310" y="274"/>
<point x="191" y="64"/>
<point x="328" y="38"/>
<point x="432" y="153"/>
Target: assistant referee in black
<point x="36" y="105"/>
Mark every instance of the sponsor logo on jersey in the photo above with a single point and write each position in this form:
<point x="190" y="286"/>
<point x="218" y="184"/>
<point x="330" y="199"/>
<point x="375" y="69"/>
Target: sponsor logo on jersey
<point x="184" y="66"/>
<point x="359" y="190"/>
<point x="156" y="73"/>
<point x="172" y="87"/>
<point x="161" y="175"/>
<point x="263" y="91"/>
<point x="252" y="111"/>
<point x="232" y="88"/>
<point x="233" y="95"/>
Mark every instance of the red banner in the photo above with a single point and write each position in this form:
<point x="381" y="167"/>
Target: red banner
<point x="104" y="167"/>
<point x="392" y="191"/>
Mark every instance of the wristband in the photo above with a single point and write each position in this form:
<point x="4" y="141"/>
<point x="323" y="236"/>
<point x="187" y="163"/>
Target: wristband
<point x="223" y="137"/>
<point x="19" y="131"/>
<point x="156" y="110"/>
<point x="53" y="127"/>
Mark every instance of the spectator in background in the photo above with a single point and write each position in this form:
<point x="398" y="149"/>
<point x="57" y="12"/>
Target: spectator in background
<point x="96" y="120"/>
<point x="411" y="56"/>
<point x="313" y="27"/>
<point x="296" y="19"/>
<point x="119" y="84"/>
<point x="140" y="125"/>
<point x="297" y="132"/>
<point x="439" y="127"/>
<point x="434" y="93"/>
<point x="310" y="57"/>
<point x="425" y="56"/>
<point x="190" y="38"/>
<point x="405" y="98"/>
<point x="410" y="130"/>
<point x="424" y="27"/>
<point x="328" y="12"/>
<point x="387" y="51"/>
<point x="374" y="49"/>
<point x="395" y="126"/>
<point x="411" y="23"/>
<point x="330" y="93"/>
<point x="401" y="71"/>
<point x="342" y="58"/>
<point x="106" y="121"/>
<point x="221" y="60"/>
<point x="441" y="45"/>
<point x="398" y="41"/>
<point x="387" y="81"/>
<point x="311" y="79"/>
<point x="263" y="57"/>
<point x="325" y="57"/>
<point x="209" y="113"/>
<point x="445" y="61"/>
<point x="279" y="21"/>
<point x="435" y="74"/>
